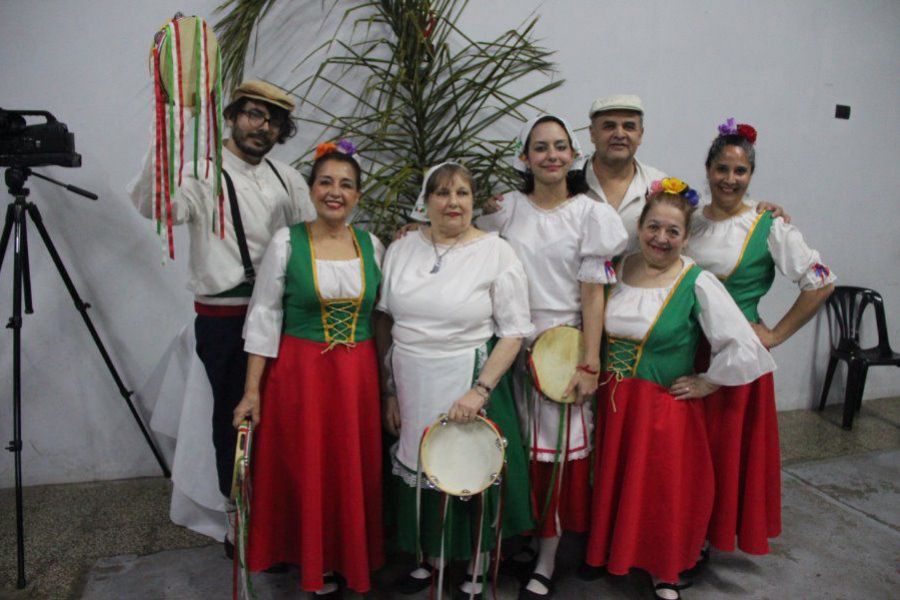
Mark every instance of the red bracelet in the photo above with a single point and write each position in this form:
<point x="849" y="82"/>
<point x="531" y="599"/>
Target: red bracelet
<point x="588" y="369"/>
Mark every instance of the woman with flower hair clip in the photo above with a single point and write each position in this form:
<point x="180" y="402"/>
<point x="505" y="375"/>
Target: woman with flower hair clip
<point x="312" y="391"/>
<point x="566" y="242"/>
<point x="653" y="477"/>
<point x="743" y="248"/>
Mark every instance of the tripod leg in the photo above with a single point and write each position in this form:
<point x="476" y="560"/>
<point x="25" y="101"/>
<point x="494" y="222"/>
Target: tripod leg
<point x="7" y="227"/>
<point x="82" y="307"/>
<point x="15" y="217"/>
<point x="26" y="270"/>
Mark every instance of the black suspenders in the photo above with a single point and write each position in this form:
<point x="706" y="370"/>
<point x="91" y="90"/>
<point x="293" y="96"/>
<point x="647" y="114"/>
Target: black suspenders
<point x="249" y="271"/>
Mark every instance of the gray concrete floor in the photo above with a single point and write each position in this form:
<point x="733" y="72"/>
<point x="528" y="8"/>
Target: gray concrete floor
<point x="841" y="539"/>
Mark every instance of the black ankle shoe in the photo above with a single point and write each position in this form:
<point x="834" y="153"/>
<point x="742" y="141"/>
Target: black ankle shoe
<point x="526" y="594"/>
<point x="461" y="595"/>
<point x="413" y="585"/>
<point x="229" y="550"/>
<point x="336" y="594"/>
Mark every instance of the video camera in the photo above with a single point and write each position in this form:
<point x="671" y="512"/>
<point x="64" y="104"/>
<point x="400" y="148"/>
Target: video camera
<point x="23" y="145"/>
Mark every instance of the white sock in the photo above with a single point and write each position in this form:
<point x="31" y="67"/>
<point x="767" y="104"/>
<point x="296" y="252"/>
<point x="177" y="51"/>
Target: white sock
<point x="546" y="563"/>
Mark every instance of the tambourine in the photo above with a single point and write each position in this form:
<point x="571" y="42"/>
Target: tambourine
<point x="553" y="358"/>
<point x="462" y="459"/>
<point x="190" y="38"/>
<point x="241" y="457"/>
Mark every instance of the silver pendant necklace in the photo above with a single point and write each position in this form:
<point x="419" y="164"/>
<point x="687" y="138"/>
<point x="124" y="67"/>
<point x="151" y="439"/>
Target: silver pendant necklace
<point x="439" y="257"/>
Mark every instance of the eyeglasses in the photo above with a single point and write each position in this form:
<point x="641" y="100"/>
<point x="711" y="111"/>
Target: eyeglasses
<point x="257" y="118"/>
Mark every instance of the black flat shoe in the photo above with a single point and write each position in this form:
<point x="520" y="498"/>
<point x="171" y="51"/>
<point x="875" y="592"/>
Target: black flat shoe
<point x="461" y="595"/>
<point x="526" y="594"/>
<point x="675" y="587"/>
<point x="413" y="585"/>
<point x="335" y="594"/>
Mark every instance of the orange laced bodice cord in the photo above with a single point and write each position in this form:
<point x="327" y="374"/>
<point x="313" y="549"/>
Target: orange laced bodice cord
<point x="622" y="357"/>
<point x="339" y="315"/>
<point x="339" y="320"/>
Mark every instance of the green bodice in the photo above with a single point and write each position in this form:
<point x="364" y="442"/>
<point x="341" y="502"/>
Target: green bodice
<point x="754" y="272"/>
<point x="333" y="321"/>
<point x="668" y="348"/>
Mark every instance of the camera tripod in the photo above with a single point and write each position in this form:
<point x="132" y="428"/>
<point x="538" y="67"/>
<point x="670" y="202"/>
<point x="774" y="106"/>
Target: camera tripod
<point x="16" y="219"/>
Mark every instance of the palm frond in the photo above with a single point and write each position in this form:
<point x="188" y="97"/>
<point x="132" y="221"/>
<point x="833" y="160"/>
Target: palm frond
<point x="420" y="91"/>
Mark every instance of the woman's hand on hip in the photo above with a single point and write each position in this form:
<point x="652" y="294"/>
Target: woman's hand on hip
<point x="691" y="386"/>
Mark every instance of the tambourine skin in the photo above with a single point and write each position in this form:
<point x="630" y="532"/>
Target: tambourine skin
<point x="462" y="459"/>
<point x="552" y="360"/>
<point x="187" y="28"/>
<point x="241" y="455"/>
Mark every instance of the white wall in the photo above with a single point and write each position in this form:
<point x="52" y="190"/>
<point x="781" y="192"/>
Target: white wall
<point x="780" y="66"/>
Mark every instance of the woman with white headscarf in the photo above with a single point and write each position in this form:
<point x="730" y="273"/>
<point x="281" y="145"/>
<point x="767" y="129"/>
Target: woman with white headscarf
<point x="455" y="301"/>
<point x="566" y="243"/>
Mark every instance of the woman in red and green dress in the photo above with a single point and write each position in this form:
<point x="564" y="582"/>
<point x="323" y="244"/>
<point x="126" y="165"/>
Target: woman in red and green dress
<point x="653" y="478"/>
<point x="742" y="248"/>
<point x="313" y="391"/>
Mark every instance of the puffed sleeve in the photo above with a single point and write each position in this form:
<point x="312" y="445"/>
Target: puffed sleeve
<point x="378" y="248"/>
<point x="737" y="355"/>
<point x="384" y="293"/>
<point x="603" y="237"/>
<point x="262" y="329"/>
<point x="497" y="221"/>
<point x="797" y="261"/>
<point x="509" y="296"/>
<point x="302" y="209"/>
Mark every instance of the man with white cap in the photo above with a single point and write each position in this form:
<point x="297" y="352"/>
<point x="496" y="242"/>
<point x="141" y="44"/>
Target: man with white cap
<point x="612" y="172"/>
<point x="261" y="197"/>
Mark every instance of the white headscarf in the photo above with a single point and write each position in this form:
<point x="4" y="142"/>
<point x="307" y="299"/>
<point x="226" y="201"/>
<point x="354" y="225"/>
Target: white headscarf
<point x="418" y="212"/>
<point x="520" y="164"/>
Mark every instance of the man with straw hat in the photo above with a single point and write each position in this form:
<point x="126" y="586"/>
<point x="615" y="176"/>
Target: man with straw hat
<point x="261" y="196"/>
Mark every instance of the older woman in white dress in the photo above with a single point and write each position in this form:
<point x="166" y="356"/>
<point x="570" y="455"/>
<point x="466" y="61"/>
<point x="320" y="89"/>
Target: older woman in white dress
<point x="455" y="302"/>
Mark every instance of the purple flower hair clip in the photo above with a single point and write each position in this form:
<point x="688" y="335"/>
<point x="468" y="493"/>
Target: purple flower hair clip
<point x="729" y="127"/>
<point x="346" y="147"/>
<point x="692" y="196"/>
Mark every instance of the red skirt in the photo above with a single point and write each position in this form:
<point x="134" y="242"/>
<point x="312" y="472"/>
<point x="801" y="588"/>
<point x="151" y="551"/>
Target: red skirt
<point x="569" y="508"/>
<point x="316" y="471"/>
<point x="653" y="481"/>
<point x="742" y="426"/>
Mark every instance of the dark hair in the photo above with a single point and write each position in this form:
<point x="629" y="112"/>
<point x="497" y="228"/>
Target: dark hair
<point x="575" y="180"/>
<point x="444" y="175"/>
<point x="676" y="200"/>
<point x="336" y="157"/>
<point x="732" y="139"/>
<point x="286" y="131"/>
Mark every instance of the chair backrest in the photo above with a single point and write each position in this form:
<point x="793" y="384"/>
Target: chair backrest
<point x="848" y="305"/>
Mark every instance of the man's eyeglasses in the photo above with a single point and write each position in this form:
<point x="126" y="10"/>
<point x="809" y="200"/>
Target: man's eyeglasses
<point x="257" y="118"/>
